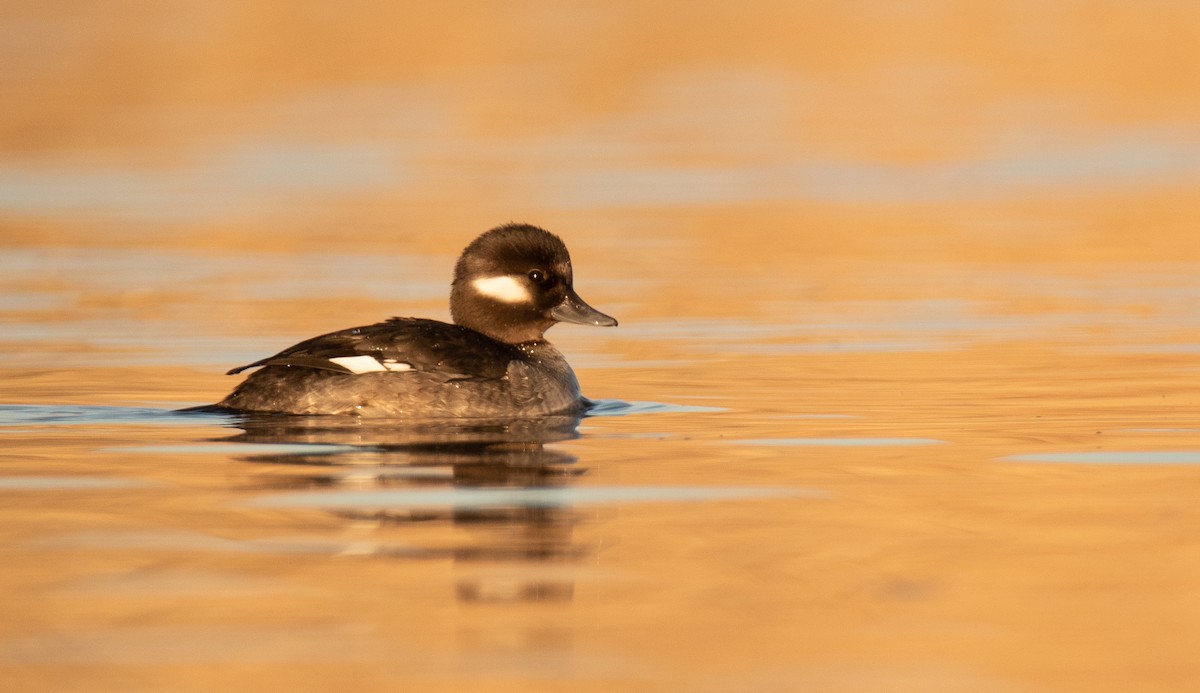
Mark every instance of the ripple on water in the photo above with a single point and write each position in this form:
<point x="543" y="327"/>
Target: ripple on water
<point x="616" y="407"/>
<point x="1109" y="457"/>
<point x="66" y="483"/>
<point x="1158" y="430"/>
<point x="185" y="541"/>
<point x="160" y="645"/>
<point x="538" y="497"/>
<point x="245" y="449"/>
<point x="12" y="415"/>
<point x="837" y="442"/>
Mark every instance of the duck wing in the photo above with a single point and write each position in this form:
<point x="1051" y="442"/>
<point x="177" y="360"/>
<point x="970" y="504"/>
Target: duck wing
<point x="398" y="345"/>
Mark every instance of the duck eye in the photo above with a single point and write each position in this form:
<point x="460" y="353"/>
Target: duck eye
<point x="537" y="276"/>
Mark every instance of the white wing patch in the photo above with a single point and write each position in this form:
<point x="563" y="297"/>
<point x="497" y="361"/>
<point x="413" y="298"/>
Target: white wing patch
<point x="504" y="288"/>
<point x="369" y="364"/>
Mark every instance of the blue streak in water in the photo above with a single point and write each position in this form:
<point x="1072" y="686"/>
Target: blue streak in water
<point x="66" y="483"/>
<point x="1109" y="457"/>
<point x="519" y="497"/>
<point x="616" y="407"/>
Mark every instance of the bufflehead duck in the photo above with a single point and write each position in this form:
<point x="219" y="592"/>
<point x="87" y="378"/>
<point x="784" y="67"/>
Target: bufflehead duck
<point x="511" y="284"/>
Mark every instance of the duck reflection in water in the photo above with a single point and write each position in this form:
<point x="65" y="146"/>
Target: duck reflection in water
<point x="402" y="465"/>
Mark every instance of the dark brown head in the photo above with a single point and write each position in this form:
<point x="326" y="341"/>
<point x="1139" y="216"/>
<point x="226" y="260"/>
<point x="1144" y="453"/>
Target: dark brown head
<point x="514" y="282"/>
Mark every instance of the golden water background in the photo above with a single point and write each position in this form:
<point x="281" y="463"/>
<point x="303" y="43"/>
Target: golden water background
<point x="916" y="283"/>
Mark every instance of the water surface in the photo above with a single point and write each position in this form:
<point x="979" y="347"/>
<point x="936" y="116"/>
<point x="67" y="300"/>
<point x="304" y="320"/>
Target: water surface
<point x="903" y="396"/>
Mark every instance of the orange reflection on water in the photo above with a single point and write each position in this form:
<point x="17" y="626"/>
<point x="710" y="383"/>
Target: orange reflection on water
<point x="904" y="277"/>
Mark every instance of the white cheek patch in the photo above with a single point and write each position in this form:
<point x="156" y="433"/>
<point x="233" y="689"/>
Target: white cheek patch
<point x="503" y="288"/>
<point x="368" y="364"/>
<point x="359" y="364"/>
